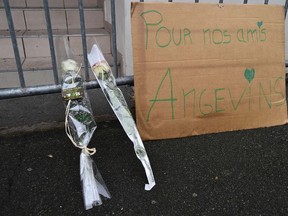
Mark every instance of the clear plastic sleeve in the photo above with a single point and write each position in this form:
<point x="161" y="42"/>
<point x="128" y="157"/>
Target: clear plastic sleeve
<point x="79" y="122"/>
<point x="114" y="96"/>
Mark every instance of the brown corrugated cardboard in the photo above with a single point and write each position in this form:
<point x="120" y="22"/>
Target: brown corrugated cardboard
<point x="205" y="68"/>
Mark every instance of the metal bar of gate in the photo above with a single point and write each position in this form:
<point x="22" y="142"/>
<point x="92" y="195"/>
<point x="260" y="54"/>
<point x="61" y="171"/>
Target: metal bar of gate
<point x="286" y="6"/>
<point x="51" y="43"/>
<point x="48" y="89"/>
<point x="83" y="35"/>
<point x="14" y="43"/>
<point x="114" y="37"/>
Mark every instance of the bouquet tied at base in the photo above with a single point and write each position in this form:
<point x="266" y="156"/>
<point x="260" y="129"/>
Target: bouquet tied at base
<point x="80" y="126"/>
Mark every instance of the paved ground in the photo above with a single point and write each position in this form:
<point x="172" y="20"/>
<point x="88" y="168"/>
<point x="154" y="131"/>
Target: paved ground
<point x="233" y="173"/>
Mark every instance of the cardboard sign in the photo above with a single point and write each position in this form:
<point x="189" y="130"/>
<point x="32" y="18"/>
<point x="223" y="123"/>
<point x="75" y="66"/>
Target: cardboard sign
<point x="205" y="68"/>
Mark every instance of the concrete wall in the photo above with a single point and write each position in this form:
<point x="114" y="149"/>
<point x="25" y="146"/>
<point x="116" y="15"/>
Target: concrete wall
<point x="124" y="39"/>
<point x="123" y="27"/>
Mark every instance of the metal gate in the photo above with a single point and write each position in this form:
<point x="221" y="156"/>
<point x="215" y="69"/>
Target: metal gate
<point x="56" y="87"/>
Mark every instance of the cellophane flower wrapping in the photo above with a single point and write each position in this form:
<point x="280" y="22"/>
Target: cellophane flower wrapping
<point x="115" y="98"/>
<point x="79" y="122"/>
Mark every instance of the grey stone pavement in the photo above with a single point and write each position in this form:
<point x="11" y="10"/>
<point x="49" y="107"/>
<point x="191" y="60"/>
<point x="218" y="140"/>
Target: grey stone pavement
<point x="231" y="173"/>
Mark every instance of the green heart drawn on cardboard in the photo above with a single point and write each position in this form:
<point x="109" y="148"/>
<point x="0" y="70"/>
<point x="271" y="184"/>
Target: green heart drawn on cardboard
<point x="249" y="74"/>
<point x="259" y="24"/>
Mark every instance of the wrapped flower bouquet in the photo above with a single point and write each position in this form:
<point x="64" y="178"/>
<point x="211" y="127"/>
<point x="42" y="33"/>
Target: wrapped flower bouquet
<point x="114" y="96"/>
<point x="80" y="124"/>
